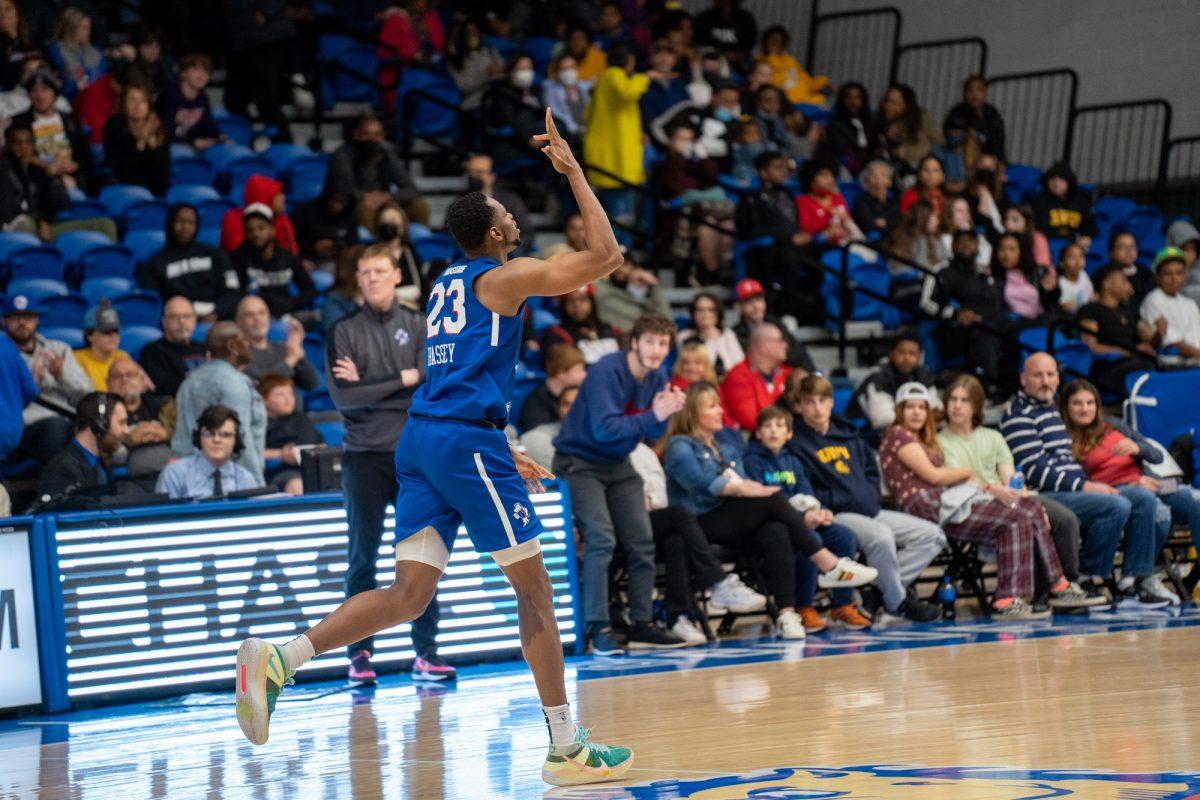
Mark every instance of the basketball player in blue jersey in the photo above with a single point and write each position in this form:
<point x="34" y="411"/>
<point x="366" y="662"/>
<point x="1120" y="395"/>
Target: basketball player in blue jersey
<point x="454" y="466"/>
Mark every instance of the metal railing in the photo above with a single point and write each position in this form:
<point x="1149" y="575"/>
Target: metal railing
<point x="1037" y="109"/>
<point x="936" y="70"/>
<point x="1121" y="146"/>
<point x="862" y="44"/>
<point x="1180" y="193"/>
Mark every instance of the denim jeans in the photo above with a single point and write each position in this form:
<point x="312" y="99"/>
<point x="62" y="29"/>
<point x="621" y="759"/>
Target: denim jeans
<point x="840" y="541"/>
<point x="621" y="207"/>
<point x="1102" y="518"/>
<point x="610" y="505"/>
<point x="1141" y="532"/>
<point x="369" y="483"/>
<point x="1184" y="506"/>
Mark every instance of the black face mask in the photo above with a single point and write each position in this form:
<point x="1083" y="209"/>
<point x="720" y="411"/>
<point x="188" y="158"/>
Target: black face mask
<point x="474" y="184"/>
<point x="366" y="151"/>
<point x="388" y="231"/>
<point x="987" y="176"/>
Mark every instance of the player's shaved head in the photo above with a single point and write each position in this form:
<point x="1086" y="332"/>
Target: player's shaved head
<point x="469" y="219"/>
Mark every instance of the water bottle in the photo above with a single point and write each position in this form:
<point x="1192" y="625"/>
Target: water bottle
<point x="1017" y="481"/>
<point x="947" y="595"/>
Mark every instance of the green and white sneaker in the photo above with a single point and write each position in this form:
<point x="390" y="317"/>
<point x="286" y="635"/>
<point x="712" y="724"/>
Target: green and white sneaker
<point x="261" y="676"/>
<point x="585" y="762"/>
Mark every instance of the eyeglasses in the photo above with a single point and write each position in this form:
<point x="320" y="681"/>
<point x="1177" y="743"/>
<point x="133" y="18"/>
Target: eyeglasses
<point x="224" y="436"/>
<point x="178" y="317"/>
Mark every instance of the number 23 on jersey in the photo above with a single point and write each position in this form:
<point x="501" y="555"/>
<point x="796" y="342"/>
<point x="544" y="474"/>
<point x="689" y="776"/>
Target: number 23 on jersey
<point x="456" y="317"/>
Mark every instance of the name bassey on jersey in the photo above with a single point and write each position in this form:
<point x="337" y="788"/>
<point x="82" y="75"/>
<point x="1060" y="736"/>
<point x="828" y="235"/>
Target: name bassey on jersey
<point x="439" y="354"/>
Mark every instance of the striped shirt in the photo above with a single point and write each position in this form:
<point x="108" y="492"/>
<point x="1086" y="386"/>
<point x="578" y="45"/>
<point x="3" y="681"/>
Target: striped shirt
<point x="1040" y="446"/>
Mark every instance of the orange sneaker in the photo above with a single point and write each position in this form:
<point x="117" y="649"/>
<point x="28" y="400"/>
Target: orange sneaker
<point x="850" y="617"/>
<point x="812" y="620"/>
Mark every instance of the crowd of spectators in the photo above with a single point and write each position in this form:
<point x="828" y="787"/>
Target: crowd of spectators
<point x="678" y="445"/>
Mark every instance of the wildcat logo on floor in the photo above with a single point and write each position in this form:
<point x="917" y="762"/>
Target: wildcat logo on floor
<point x="905" y="783"/>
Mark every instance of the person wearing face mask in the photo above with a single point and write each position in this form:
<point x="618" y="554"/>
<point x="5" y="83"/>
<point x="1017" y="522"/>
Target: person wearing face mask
<point x="391" y="229"/>
<point x="566" y="95"/>
<point x="367" y="167"/>
<point x="688" y="177"/>
<point x="472" y="64"/>
<point x="220" y="381"/>
<point x="514" y="111"/>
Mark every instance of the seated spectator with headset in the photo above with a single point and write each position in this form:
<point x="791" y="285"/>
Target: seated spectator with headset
<point x="212" y="472"/>
<point x="100" y="425"/>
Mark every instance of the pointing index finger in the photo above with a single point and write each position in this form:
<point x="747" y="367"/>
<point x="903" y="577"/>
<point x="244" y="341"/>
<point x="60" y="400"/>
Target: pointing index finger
<point x="551" y="129"/>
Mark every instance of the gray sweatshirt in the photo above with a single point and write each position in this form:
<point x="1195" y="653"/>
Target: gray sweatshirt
<point x="64" y="391"/>
<point x="381" y="345"/>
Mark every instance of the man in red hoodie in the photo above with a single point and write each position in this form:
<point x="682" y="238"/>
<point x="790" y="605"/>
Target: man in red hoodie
<point x="758" y="381"/>
<point x="269" y="192"/>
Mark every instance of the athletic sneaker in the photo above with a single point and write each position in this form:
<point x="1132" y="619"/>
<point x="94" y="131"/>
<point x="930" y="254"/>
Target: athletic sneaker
<point x="1075" y="596"/>
<point x="361" y="670"/>
<point x="812" y="620"/>
<point x="914" y="609"/>
<point x="688" y="631"/>
<point x="1136" y="597"/>
<point x="848" y="616"/>
<point x="1157" y="588"/>
<point x="789" y="626"/>
<point x="647" y="636"/>
<point x="1019" y="609"/>
<point x="846" y="575"/>
<point x="604" y="642"/>
<point x="432" y="668"/>
<point x="585" y="762"/>
<point x="736" y="596"/>
<point x="260" y="677"/>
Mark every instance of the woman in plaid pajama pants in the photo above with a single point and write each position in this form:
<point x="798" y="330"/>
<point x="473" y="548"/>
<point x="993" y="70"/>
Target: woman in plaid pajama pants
<point x="912" y="464"/>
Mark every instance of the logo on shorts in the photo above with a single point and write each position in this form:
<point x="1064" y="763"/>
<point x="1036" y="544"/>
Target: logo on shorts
<point x="402" y="337"/>
<point x="521" y="514"/>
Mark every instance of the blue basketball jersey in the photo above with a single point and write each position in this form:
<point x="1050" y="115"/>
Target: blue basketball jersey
<point x="471" y="352"/>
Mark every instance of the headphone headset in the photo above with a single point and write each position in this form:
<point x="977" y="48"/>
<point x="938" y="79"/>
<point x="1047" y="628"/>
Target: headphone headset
<point x="98" y="422"/>
<point x="239" y="446"/>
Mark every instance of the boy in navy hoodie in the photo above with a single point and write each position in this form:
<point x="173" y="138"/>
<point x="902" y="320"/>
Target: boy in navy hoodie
<point x="844" y="473"/>
<point x="769" y="461"/>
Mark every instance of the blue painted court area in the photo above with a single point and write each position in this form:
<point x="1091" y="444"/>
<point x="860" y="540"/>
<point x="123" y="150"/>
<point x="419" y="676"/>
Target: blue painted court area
<point x="485" y="737"/>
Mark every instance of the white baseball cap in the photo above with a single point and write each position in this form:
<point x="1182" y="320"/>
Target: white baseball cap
<point x="913" y="390"/>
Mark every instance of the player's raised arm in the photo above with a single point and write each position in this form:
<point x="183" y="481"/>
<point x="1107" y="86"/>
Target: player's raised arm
<point x="504" y="289"/>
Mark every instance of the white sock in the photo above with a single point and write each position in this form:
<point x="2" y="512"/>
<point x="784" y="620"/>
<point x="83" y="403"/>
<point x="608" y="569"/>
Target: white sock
<point x="560" y="723"/>
<point x="297" y="652"/>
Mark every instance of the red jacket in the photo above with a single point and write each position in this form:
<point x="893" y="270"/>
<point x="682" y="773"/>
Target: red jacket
<point x="815" y="216"/>
<point x="259" y="189"/>
<point x="744" y="394"/>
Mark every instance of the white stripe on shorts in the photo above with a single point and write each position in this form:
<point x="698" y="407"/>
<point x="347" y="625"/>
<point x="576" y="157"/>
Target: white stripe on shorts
<point x="495" y="329"/>
<point x="512" y="540"/>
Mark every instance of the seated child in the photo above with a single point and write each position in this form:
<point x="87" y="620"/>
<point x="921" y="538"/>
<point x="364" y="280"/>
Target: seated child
<point x="286" y="428"/>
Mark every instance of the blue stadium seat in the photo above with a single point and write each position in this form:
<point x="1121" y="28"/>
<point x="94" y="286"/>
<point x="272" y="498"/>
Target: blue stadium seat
<point x="1075" y="356"/>
<point x="283" y="154"/>
<point x="333" y="431"/>
<point x="145" y="244"/>
<point x="740" y="249"/>
<point x="71" y="334"/>
<point x="181" y="150"/>
<point x="149" y="215"/>
<point x="11" y="241"/>
<point x="323" y="280"/>
<point x="200" y="332"/>
<point x="1149" y="245"/>
<point x="238" y="129"/>
<point x="314" y="350"/>
<point x="109" y="261"/>
<point x="120" y="196"/>
<point x="850" y="190"/>
<point x="240" y="170"/>
<point x="1056" y="247"/>
<point x="306" y="177"/>
<point x="73" y="244"/>
<point x="36" y="262"/>
<point x="1144" y="222"/>
<point x="37" y="289"/>
<point x="541" y="50"/>
<point x="277" y="332"/>
<point x="870" y="274"/>
<point x="505" y="47"/>
<point x="213" y="211"/>
<point x="421" y="117"/>
<point x="319" y="400"/>
<point x="220" y="154"/>
<point x="135" y="337"/>
<point x="1025" y="178"/>
<point x="96" y="289"/>
<point x="346" y="63"/>
<point x="64" y="311"/>
<point x="1115" y="210"/>
<point x="192" y="170"/>
<point x="83" y="209"/>
<point x="438" y="247"/>
<point x="139" y="307"/>
<point x="209" y="236"/>
<point x="192" y="193"/>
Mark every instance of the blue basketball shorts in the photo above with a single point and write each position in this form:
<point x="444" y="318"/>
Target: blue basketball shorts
<point x="452" y="473"/>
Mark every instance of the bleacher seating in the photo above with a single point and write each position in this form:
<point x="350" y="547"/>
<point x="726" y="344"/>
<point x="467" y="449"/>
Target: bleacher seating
<point x="145" y="244"/>
<point x="72" y="335"/>
<point x="95" y="289"/>
<point x="148" y="215"/>
<point x="118" y="197"/>
<point x="65" y="310"/>
<point x="191" y="170"/>
<point x="192" y="193"/>
<point x="136" y="336"/>
<point x="139" y="307"/>
<point x="39" y="261"/>
<point x="108" y="261"/>
<point x="37" y="288"/>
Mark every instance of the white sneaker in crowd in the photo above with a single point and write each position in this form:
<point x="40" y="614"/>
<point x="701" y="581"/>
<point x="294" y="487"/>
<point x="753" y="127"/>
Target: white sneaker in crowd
<point x="687" y="630"/>
<point x="790" y="626"/>
<point x="736" y="596"/>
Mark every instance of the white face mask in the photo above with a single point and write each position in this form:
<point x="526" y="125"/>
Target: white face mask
<point x="522" y="78"/>
<point x="568" y="77"/>
<point x="686" y="149"/>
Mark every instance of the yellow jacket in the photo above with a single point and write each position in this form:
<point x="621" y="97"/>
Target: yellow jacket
<point x="613" y="140"/>
<point x="798" y="85"/>
<point x="97" y="368"/>
<point x="594" y="62"/>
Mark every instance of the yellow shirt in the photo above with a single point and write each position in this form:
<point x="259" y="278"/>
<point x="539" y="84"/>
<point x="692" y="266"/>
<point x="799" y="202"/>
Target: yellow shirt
<point x="96" y="367"/>
<point x="613" y="140"/>
<point x="593" y="64"/>
<point x="798" y="85"/>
